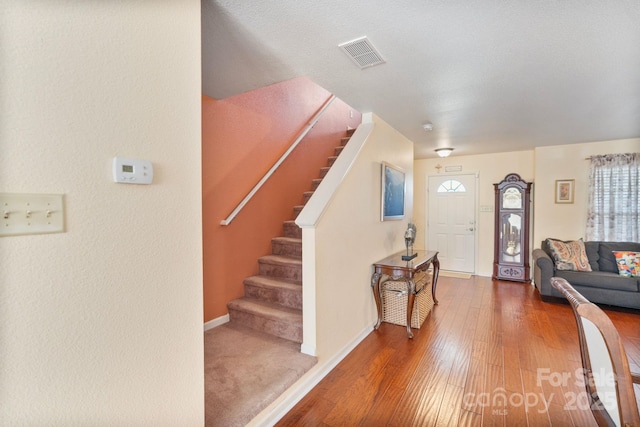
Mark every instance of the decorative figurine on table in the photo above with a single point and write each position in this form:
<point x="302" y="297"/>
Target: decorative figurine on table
<point x="409" y="239"/>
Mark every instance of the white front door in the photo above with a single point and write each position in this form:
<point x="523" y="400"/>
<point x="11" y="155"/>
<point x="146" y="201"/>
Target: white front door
<point x="451" y="221"/>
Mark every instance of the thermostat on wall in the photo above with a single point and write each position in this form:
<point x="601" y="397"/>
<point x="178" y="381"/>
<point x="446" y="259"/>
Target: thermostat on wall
<point x="132" y="171"/>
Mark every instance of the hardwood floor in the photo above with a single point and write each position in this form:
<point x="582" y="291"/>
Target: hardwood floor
<point x="491" y="353"/>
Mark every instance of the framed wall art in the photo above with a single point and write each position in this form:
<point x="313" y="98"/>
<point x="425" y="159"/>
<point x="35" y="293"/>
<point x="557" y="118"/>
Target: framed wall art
<point x="393" y="192"/>
<point x="564" y="190"/>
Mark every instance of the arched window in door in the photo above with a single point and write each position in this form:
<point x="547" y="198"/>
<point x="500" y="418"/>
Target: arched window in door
<point x="452" y="186"/>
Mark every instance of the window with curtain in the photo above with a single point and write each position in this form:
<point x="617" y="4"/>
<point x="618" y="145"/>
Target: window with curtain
<point x="614" y="198"/>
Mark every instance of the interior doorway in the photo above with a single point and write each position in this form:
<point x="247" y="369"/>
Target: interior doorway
<point x="451" y="220"/>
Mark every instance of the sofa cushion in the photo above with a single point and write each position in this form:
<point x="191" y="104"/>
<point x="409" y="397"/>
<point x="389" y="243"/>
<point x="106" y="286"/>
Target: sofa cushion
<point x="592" y="253"/>
<point x="599" y="279"/>
<point x="607" y="259"/>
<point x="628" y="263"/>
<point x="569" y="255"/>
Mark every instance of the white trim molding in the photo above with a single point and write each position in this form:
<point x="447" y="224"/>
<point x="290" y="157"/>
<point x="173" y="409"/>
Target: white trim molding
<point x="216" y="322"/>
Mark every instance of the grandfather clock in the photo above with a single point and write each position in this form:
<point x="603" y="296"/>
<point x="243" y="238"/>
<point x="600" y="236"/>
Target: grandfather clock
<point x="511" y="244"/>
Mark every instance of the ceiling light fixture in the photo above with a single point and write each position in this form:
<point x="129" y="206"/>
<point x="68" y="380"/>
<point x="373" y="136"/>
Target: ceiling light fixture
<point x="427" y="127"/>
<point x="444" y="152"/>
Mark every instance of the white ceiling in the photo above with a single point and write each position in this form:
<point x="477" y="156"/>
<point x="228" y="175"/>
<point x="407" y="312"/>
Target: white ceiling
<point x="491" y="75"/>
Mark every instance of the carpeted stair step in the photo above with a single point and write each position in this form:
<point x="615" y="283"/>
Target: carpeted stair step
<point x="323" y="171"/>
<point x="277" y="291"/>
<point x="315" y="183"/>
<point x="287" y="246"/>
<point x="267" y="317"/>
<point x="350" y="132"/>
<point x="281" y="266"/>
<point x="297" y="210"/>
<point x="344" y="140"/>
<point x="291" y="229"/>
<point x="331" y="160"/>
<point x="306" y="196"/>
<point x="338" y="150"/>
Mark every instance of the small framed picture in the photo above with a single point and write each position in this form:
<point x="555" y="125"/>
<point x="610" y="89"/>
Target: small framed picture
<point x="393" y="189"/>
<point x="564" y="190"/>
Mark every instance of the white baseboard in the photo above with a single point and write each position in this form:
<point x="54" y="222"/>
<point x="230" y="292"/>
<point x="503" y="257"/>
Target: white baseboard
<point x="216" y="322"/>
<point x="279" y="408"/>
<point x="457" y="274"/>
<point x="307" y="349"/>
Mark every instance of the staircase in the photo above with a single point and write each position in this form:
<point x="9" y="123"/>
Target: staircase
<point x="272" y="301"/>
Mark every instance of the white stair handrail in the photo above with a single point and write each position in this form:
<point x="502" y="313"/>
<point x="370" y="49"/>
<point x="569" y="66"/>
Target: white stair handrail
<point x="270" y="172"/>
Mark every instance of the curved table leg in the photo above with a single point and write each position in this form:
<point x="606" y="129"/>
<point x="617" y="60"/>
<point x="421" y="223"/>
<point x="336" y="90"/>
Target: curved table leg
<point x="410" y="299"/>
<point x="375" y="287"/>
<point x="436" y="271"/>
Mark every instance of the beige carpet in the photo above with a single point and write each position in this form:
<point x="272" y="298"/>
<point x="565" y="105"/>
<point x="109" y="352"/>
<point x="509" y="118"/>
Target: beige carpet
<point x="245" y="371"/>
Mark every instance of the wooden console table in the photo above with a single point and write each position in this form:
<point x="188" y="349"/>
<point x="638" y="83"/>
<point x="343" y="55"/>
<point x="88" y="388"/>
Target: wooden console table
<point x="399" y="270"/>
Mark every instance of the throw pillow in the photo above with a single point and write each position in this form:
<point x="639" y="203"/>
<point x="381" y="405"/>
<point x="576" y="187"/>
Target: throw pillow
<point x="569" y="255"/>
<point x="628" y="263"/>
<point x="607" y="260"/>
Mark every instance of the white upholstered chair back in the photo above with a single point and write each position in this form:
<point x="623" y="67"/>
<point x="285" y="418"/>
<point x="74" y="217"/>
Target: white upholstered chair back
<point x="608" y="379"/>
<point x="602" y="373"/>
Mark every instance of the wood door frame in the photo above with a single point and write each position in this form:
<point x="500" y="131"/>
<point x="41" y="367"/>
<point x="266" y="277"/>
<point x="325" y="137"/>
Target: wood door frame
<point x="476" y="176"/>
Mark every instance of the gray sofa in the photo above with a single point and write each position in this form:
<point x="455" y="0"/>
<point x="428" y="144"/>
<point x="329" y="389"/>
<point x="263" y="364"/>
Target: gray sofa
<point x="603" y="285"/>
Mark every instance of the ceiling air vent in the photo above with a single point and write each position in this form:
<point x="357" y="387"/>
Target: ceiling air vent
<point x="362" y="52"/>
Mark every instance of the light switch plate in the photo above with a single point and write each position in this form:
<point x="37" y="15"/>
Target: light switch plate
<point x="31" y="214"/>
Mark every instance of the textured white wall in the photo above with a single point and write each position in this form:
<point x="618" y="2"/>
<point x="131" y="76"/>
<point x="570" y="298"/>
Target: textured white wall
<point x="102" y="325"/>
<point x="350" y="237"/>
<point x="491" y="169"/>
<point x="568" y="221"/>
<point x="543" y="166"/>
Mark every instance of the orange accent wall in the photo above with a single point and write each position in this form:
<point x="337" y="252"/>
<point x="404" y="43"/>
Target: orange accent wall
<point x="242" y="137"/>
